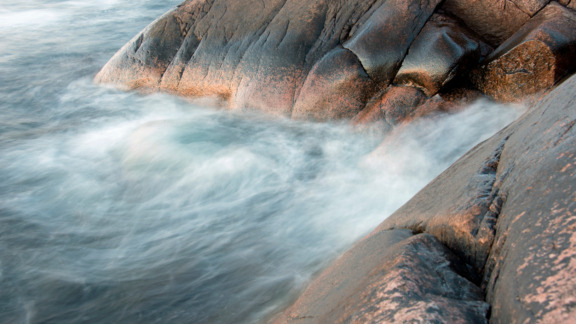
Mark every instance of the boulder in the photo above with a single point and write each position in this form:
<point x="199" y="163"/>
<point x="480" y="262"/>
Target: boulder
<point x="442" y="49"/>
<point x="336" y="88"/>
<point x="508" y="208"/>
<point x="391" y="277"/>
<point x="391" y="106"/>
<point x="541" y="53"/>
<point x="142" y="62"/>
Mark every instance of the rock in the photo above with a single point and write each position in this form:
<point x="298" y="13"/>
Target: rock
<point x="142" y="62"/>
<point x="336" y="88"/>
<point x="326" y="60"/>
<point x="402" y="104"/>
<point x="440" y="51"/>
<point x="447" y="101"/>
<point x="382" y="40"/>
<point x="508" y="208"/>
<point x="568" y="4"/>
<point x="541" y="53"/>
<point x="494" y="20"/>
<point x="391" y="277"/>
<point x="392" y="106"/>
<point x="258" y="54"/>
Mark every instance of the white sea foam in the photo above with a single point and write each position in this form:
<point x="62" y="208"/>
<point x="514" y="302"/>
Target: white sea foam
<point x="118" y="207"/>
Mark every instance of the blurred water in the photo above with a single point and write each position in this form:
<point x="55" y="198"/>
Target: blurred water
<point x="121" y="208"/>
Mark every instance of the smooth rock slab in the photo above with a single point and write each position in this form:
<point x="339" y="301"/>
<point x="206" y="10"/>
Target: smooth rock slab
<point x="391" y="277"/>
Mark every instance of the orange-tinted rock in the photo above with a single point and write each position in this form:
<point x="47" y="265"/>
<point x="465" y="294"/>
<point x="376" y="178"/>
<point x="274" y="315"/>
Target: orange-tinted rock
<point x="541" y="53"/>
<point x="568" y="3"/>
<point x="336" y="88"/>
<point x="531" y="270"/>
<point x="391" y="277"/>
<point x="494" y="20"/>
<point x="449" y="101"/>
<point x="251" y="54"/>
<point x="440" y="51"/>
<point x="258" y="54"/>
<point x="392" y="106"/>
<point x="459" y="206"/>
<point x="508" y="207"/>
<point x="382" y="40"/>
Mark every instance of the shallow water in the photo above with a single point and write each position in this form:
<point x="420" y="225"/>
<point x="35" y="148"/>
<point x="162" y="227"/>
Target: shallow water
<point x="120" y="207"/>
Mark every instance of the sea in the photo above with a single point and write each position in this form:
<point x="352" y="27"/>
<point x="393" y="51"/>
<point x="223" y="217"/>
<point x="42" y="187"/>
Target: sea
<point x="124" y="207"/>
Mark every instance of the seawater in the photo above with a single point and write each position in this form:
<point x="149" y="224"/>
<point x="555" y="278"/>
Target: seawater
<point x="118" y="207"/>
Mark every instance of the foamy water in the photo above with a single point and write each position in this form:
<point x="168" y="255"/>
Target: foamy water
<point x="120" y="208"/>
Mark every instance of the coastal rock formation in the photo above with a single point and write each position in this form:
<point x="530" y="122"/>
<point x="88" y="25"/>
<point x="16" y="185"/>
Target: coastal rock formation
<point x="507" y="210"/>
<point x="325" y="60"/>
<point x="497" y="230"/>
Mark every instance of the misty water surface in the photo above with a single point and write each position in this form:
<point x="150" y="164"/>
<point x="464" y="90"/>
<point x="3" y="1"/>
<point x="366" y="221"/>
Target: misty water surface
<point x="118" y="207"/>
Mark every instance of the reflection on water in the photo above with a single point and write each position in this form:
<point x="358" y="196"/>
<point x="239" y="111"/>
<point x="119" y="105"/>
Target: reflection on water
<point x="117" y="207"/>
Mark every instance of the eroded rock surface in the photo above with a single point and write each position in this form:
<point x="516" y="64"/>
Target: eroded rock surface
<point x="323" y="60"/>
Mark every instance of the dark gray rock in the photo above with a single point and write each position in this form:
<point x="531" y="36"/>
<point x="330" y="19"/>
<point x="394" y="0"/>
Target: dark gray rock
<point x="442" y="49"/>
<point x="383" y="39"/>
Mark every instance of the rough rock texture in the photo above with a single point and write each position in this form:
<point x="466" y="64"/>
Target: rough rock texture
<point x="508" y="207"/>
<point x="323" y="60"/>
<point x="258" y="54"/>
<point x="391" y="277"/>
<point x="541" y="53"/>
